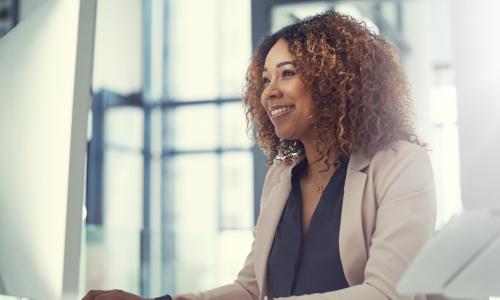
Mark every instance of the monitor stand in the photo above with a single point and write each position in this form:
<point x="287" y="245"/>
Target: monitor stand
<point x="461" y="260"/>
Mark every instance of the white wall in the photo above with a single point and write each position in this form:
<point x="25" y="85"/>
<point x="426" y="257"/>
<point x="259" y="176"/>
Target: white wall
<point x="418" y="63"/>
<point x="428" y="65"/>
<point x="477" y="63"/>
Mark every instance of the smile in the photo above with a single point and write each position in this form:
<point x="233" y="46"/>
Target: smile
<point x="280" y="110"/>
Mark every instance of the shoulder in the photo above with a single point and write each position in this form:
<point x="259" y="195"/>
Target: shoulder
<point x="399" y="156"/>
<point x="393" y="157"/>
<point x="401" y="167"/>
<point x="400" y="151"/>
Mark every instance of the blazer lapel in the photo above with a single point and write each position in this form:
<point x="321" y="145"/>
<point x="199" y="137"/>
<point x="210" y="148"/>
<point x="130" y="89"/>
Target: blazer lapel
<point x="351" y="239"/>
<point x="274" y="203"/>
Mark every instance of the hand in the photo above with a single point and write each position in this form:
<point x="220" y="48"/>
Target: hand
<point x="111" y="295"/>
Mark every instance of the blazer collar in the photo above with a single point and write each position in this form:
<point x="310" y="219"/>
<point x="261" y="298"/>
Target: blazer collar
<point x="358" y="161"/>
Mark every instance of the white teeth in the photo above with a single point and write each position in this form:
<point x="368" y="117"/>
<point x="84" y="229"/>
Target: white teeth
<point x="280" y="110"/>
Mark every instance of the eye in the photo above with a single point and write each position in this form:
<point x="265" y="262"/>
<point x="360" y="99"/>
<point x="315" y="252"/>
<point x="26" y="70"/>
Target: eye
<point x="265" y="81"/>
<point x="288" y="73"/>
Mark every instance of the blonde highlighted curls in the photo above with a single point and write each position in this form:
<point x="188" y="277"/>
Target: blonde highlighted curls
<point x="360" y="94"/>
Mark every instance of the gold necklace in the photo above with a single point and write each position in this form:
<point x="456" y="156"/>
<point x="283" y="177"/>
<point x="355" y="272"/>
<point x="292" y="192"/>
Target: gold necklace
<point x="320" y="188"/>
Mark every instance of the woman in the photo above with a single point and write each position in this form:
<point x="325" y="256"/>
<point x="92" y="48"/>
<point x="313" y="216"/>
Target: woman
<point x="349" y="198"/>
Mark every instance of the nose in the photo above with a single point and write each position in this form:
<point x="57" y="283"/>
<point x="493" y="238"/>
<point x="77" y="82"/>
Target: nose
<point x="272" y="91"/>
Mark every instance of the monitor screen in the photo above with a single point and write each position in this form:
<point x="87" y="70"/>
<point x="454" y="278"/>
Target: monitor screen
<point x="45" y="84"/>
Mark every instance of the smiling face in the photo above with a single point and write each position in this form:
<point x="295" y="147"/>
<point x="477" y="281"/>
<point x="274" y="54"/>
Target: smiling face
<point x="286" y="98"/>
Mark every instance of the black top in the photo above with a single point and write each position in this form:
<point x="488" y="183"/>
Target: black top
<point x="305" y="264"/>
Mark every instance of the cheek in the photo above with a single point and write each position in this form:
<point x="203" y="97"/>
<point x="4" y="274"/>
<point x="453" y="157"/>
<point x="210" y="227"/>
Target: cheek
<point x="305" y="99"/>
<point x="308" y="114"/>
<point x="300" y="90"/>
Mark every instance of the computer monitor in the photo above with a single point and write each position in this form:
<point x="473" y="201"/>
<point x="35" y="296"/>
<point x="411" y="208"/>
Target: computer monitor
<point x="45" y="90"/>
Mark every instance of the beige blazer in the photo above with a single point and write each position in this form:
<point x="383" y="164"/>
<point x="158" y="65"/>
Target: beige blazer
<point x="388" y="214"/>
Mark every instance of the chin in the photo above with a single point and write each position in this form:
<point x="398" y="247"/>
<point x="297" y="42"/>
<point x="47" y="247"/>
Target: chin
<point x="285" y="135"/>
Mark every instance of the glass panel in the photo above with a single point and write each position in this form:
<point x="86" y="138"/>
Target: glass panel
<point x="443" y="104"/>
<point x="195" y="127"/>
<point x="212" y="57"/>
<point x="193" y="48"/>
<point x="196" y="220"/>
<point x="123" y="188"/>
<point x="445" y="161"/>
<point x="237" y="190"/>
<point x="124" y="127"/>
<point x="116" y="246"/>
<point x="445" y="154"/>
<point x="111" y="258"/>
<point x="234" y="246"/>
<point x="236" y="44"/>
<point x="234" y="133"/>
<point x="389" y="10"/>
<point x="285" y="14"/>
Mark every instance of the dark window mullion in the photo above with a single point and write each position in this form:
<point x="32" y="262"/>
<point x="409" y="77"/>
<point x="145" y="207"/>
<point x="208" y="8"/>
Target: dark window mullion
<point x="168" y="235"/>
<point x="172" y="103"/>
<point x="144" y="100"/>
<point x="220" y="183"/>
<point x="95" y="163"/>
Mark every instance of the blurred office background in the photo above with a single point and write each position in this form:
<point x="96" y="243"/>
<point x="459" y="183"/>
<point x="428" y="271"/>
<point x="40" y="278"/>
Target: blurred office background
<point x="173" y="181"/>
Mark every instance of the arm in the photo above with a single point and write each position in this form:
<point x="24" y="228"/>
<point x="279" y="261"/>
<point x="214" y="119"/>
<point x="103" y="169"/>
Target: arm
<point x="404" y="191"/>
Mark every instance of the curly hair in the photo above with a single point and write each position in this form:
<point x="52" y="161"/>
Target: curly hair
<point x="360" y="94"/>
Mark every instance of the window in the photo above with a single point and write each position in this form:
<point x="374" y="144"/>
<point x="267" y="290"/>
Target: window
<point x="207" y="196"/>
<point x="444" y="143"/>
<point x="170" y="185"/>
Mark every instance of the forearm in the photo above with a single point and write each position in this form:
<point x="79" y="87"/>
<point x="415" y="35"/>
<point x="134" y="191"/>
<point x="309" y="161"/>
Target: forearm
<point x="231" y="291"/>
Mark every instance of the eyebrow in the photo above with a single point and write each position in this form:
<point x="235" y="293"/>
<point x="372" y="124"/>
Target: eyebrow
<point x="283" y="63"/>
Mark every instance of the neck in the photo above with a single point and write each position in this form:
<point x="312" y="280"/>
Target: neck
<point x="316" y="168"/>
